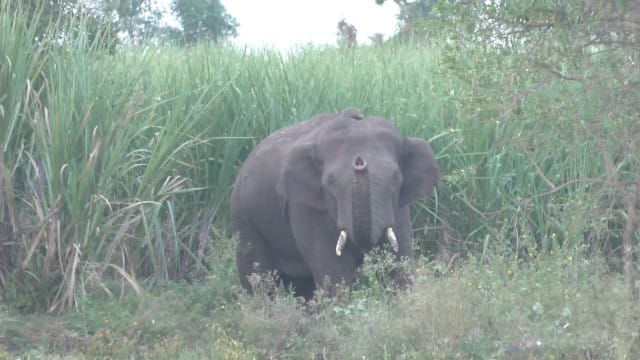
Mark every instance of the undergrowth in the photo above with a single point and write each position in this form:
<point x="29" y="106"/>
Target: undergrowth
<point x="562" y="304"/>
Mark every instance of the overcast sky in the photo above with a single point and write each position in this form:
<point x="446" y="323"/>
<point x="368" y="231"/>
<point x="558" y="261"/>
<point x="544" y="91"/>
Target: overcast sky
<point x="283" y="24"/>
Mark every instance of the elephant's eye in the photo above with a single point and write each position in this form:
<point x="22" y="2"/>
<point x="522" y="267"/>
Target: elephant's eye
<point x="331" y="181"/>
<point x="396" y="179"/>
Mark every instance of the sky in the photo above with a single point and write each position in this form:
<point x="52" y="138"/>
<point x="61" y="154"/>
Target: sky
<point x="286" y="24"/>
<point x="283" y="24"/>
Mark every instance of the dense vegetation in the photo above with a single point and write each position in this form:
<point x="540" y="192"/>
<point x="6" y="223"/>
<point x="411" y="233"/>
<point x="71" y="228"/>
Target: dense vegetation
<point x="115" y="171"/>
<point x="130" y="21"/>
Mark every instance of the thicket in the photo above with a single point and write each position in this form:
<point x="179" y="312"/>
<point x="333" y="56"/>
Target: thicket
<point x="115" y="168"/>
<point x="561" y="80"/>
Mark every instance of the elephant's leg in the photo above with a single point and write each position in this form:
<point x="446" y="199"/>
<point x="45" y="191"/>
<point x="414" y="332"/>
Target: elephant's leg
<point x="253" y="255"/>
<point x="302" y="286"/>
<point x="316" y="241"/>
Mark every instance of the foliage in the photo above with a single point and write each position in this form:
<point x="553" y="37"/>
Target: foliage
<point x="563" y="304"/>
<point x="137" y="21"/>
<point x="63" y="17"/>
<point x="517" y="58"/>
<point x="204" y="19"/>
<point x="41" y="13"/>
<point x="347" y="34"/>
<point x="413" y="16"/>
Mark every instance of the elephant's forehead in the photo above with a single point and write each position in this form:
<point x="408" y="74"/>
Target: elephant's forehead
<point x="371" y="122"/>
<point x="365" y="130"/>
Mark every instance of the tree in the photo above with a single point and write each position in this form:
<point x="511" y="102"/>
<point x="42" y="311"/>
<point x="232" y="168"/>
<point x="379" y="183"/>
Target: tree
<point x="520" y="58"/>
<point x="204" y="19"/>
<point x="54" y="14"/>
<point x="138" y="19"/>
<point x="347" y="34"/>
<point x="43" y="12"/>
<point x="135" y="21"/>
<point x="412" y="14"/>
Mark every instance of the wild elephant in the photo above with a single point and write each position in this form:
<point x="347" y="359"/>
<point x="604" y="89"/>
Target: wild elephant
<point x="312" y="198"/>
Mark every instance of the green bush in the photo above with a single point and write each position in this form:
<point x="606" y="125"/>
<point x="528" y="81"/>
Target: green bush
<point x="559" y="305"/>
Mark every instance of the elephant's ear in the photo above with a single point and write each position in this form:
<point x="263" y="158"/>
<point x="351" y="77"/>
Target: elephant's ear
<point x="420" y="171"/>
<point x="300" y="178"/>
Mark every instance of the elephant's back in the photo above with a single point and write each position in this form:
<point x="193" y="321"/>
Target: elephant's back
<point x="284" y="138"/>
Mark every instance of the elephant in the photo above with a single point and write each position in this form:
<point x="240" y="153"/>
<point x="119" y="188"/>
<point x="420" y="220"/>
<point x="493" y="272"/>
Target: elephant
<point x="314" y="197"/>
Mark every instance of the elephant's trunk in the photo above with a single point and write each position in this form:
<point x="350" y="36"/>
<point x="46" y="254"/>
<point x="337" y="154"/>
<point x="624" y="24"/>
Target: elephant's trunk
<point x="361" y="202"/>
<point x="361" y="212"/>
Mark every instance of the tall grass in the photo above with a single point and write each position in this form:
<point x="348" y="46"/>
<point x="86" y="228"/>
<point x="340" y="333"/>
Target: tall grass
<point x="115" y="169"/>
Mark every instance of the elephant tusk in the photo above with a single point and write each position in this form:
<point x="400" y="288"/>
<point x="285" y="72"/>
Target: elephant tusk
<point x="391" y="236"/>
<point x="342" y="240"/>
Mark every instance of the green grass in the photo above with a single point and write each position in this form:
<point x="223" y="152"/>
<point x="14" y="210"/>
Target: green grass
<point x="115" y="172"/>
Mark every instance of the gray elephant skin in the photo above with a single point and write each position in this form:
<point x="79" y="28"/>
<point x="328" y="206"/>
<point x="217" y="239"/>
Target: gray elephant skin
<point x="312" y="198"/>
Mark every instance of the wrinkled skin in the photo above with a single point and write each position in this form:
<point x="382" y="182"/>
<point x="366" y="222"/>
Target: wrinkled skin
<point x="333" y="176"/>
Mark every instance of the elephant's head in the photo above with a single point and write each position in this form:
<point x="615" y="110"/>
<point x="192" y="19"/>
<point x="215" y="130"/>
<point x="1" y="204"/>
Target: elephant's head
<point x="360" y="171"/>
